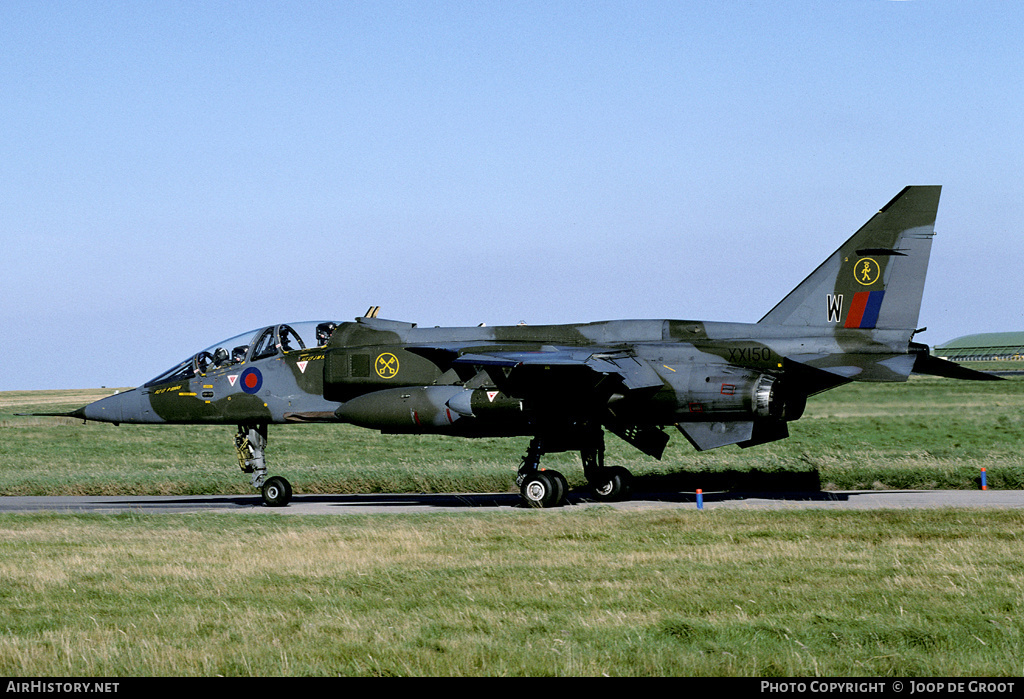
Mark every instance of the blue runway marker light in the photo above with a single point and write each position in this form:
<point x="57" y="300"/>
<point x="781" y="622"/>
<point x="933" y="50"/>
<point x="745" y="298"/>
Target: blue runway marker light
<point x="984" y="485"/>
<point x="700" y="499"/>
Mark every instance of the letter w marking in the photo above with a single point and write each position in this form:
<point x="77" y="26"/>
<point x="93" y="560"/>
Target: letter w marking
<point x="835" y="307"/>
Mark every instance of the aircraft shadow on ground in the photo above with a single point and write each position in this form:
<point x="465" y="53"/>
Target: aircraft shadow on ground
<point x="723" y="486"/>
<point x="719" y="486"/>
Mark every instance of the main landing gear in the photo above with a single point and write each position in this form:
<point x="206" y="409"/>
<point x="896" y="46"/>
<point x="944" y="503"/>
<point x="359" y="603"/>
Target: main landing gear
<point x="543" y="488"/>
<point x="251" y="444"/>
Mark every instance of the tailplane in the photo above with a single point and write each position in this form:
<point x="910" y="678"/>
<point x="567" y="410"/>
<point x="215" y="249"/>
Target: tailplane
<point x="876" y="278"/>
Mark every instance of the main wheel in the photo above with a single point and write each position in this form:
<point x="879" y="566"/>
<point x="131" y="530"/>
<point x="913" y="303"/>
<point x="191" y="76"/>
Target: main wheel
<point x="539" y="489"/>
<point x="613" y="484"/>
<point x="561" y="483"/>
<point x="277" y="492"/>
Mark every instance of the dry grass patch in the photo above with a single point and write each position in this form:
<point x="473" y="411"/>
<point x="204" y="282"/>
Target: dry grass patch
<point x="522" y="593"/>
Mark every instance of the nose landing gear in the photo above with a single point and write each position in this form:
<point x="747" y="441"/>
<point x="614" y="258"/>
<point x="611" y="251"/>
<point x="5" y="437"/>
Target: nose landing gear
<point x="251" y="444"/>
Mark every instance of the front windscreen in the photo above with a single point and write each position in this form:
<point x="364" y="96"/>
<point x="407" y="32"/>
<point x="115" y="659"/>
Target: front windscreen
<point x="232" y="351"/>
<point x="250" y="346"/>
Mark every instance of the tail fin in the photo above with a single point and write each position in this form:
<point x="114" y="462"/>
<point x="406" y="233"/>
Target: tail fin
<point x="876" y="278"/>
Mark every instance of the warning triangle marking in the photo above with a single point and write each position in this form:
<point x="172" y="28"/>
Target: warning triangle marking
<point x="491" y="395"/>
<point x="232" y="379"/>
<point x="302" y="366"/>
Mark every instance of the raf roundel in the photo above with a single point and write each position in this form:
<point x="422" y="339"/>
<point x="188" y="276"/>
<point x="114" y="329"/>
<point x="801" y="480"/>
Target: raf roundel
<point x="251" y="380"/>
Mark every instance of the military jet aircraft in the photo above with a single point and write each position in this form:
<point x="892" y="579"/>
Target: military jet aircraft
<point x="852" y="319"/>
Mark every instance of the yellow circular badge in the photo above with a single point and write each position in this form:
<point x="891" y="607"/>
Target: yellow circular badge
<point x="866" y="271"/>
<point x="386" y="365"/>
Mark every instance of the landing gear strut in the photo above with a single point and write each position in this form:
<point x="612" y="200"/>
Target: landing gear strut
<point x="251" y="445"/>
<point x="543" y="488"/>
<point x="610" y="484"/>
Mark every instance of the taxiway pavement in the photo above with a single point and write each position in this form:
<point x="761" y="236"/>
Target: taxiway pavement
<point x="413" y="502"/>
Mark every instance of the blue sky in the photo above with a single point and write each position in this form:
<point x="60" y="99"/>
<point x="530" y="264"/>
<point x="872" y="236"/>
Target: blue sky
<point x="175" y="173"/>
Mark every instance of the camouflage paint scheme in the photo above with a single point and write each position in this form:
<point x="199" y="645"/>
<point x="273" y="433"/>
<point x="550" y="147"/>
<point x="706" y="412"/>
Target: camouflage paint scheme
<point x="852" y="319"/>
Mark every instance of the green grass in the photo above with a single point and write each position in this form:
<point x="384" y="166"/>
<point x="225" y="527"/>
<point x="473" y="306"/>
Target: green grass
<point x="599" y="591"/>
<point x="927" y="433"/>
<point x="594" y="592"/>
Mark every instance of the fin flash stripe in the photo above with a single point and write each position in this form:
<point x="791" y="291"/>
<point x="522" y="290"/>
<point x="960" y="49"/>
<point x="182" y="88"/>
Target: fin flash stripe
<point x="864" y="309"/>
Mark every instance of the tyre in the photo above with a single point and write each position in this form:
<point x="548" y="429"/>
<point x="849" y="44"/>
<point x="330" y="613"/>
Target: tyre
<point x="540" y="490"/>
<point x="561" y="484"/>
<point x="613" y="484"/>
<point x="277" y="492"/>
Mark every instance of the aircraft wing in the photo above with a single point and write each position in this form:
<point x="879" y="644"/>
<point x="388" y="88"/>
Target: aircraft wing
<point x="635" y="375"/>
<point x="521" y="372"/>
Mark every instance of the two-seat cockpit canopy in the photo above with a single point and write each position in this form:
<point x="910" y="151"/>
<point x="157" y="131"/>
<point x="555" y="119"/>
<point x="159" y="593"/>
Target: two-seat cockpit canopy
<point x="250" y="347"/>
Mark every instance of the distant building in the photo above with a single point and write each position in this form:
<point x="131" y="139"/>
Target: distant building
<point x="982" y="347"/>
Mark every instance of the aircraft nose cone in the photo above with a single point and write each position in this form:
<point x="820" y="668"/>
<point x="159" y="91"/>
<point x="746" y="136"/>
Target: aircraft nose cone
<point x="120" y="407"/>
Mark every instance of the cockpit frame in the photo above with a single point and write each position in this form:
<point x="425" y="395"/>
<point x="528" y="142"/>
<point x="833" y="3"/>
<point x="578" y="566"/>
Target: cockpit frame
<point x="255" y="345"/>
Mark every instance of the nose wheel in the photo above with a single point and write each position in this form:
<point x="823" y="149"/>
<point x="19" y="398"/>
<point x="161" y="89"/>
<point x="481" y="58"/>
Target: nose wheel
<point x="277" y="492"/>
<point x="251" y="444"/>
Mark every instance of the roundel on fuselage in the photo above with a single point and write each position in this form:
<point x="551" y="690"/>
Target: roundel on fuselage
<point x="251" y="380"/>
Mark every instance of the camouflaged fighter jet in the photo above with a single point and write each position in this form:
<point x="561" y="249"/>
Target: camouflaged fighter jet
<point x="852" y="319"/>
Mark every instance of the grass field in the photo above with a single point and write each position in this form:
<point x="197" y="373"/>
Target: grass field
<point x="595" y="592"/>
<point x="927" y="433"/>
<point x="552" y="592"/>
